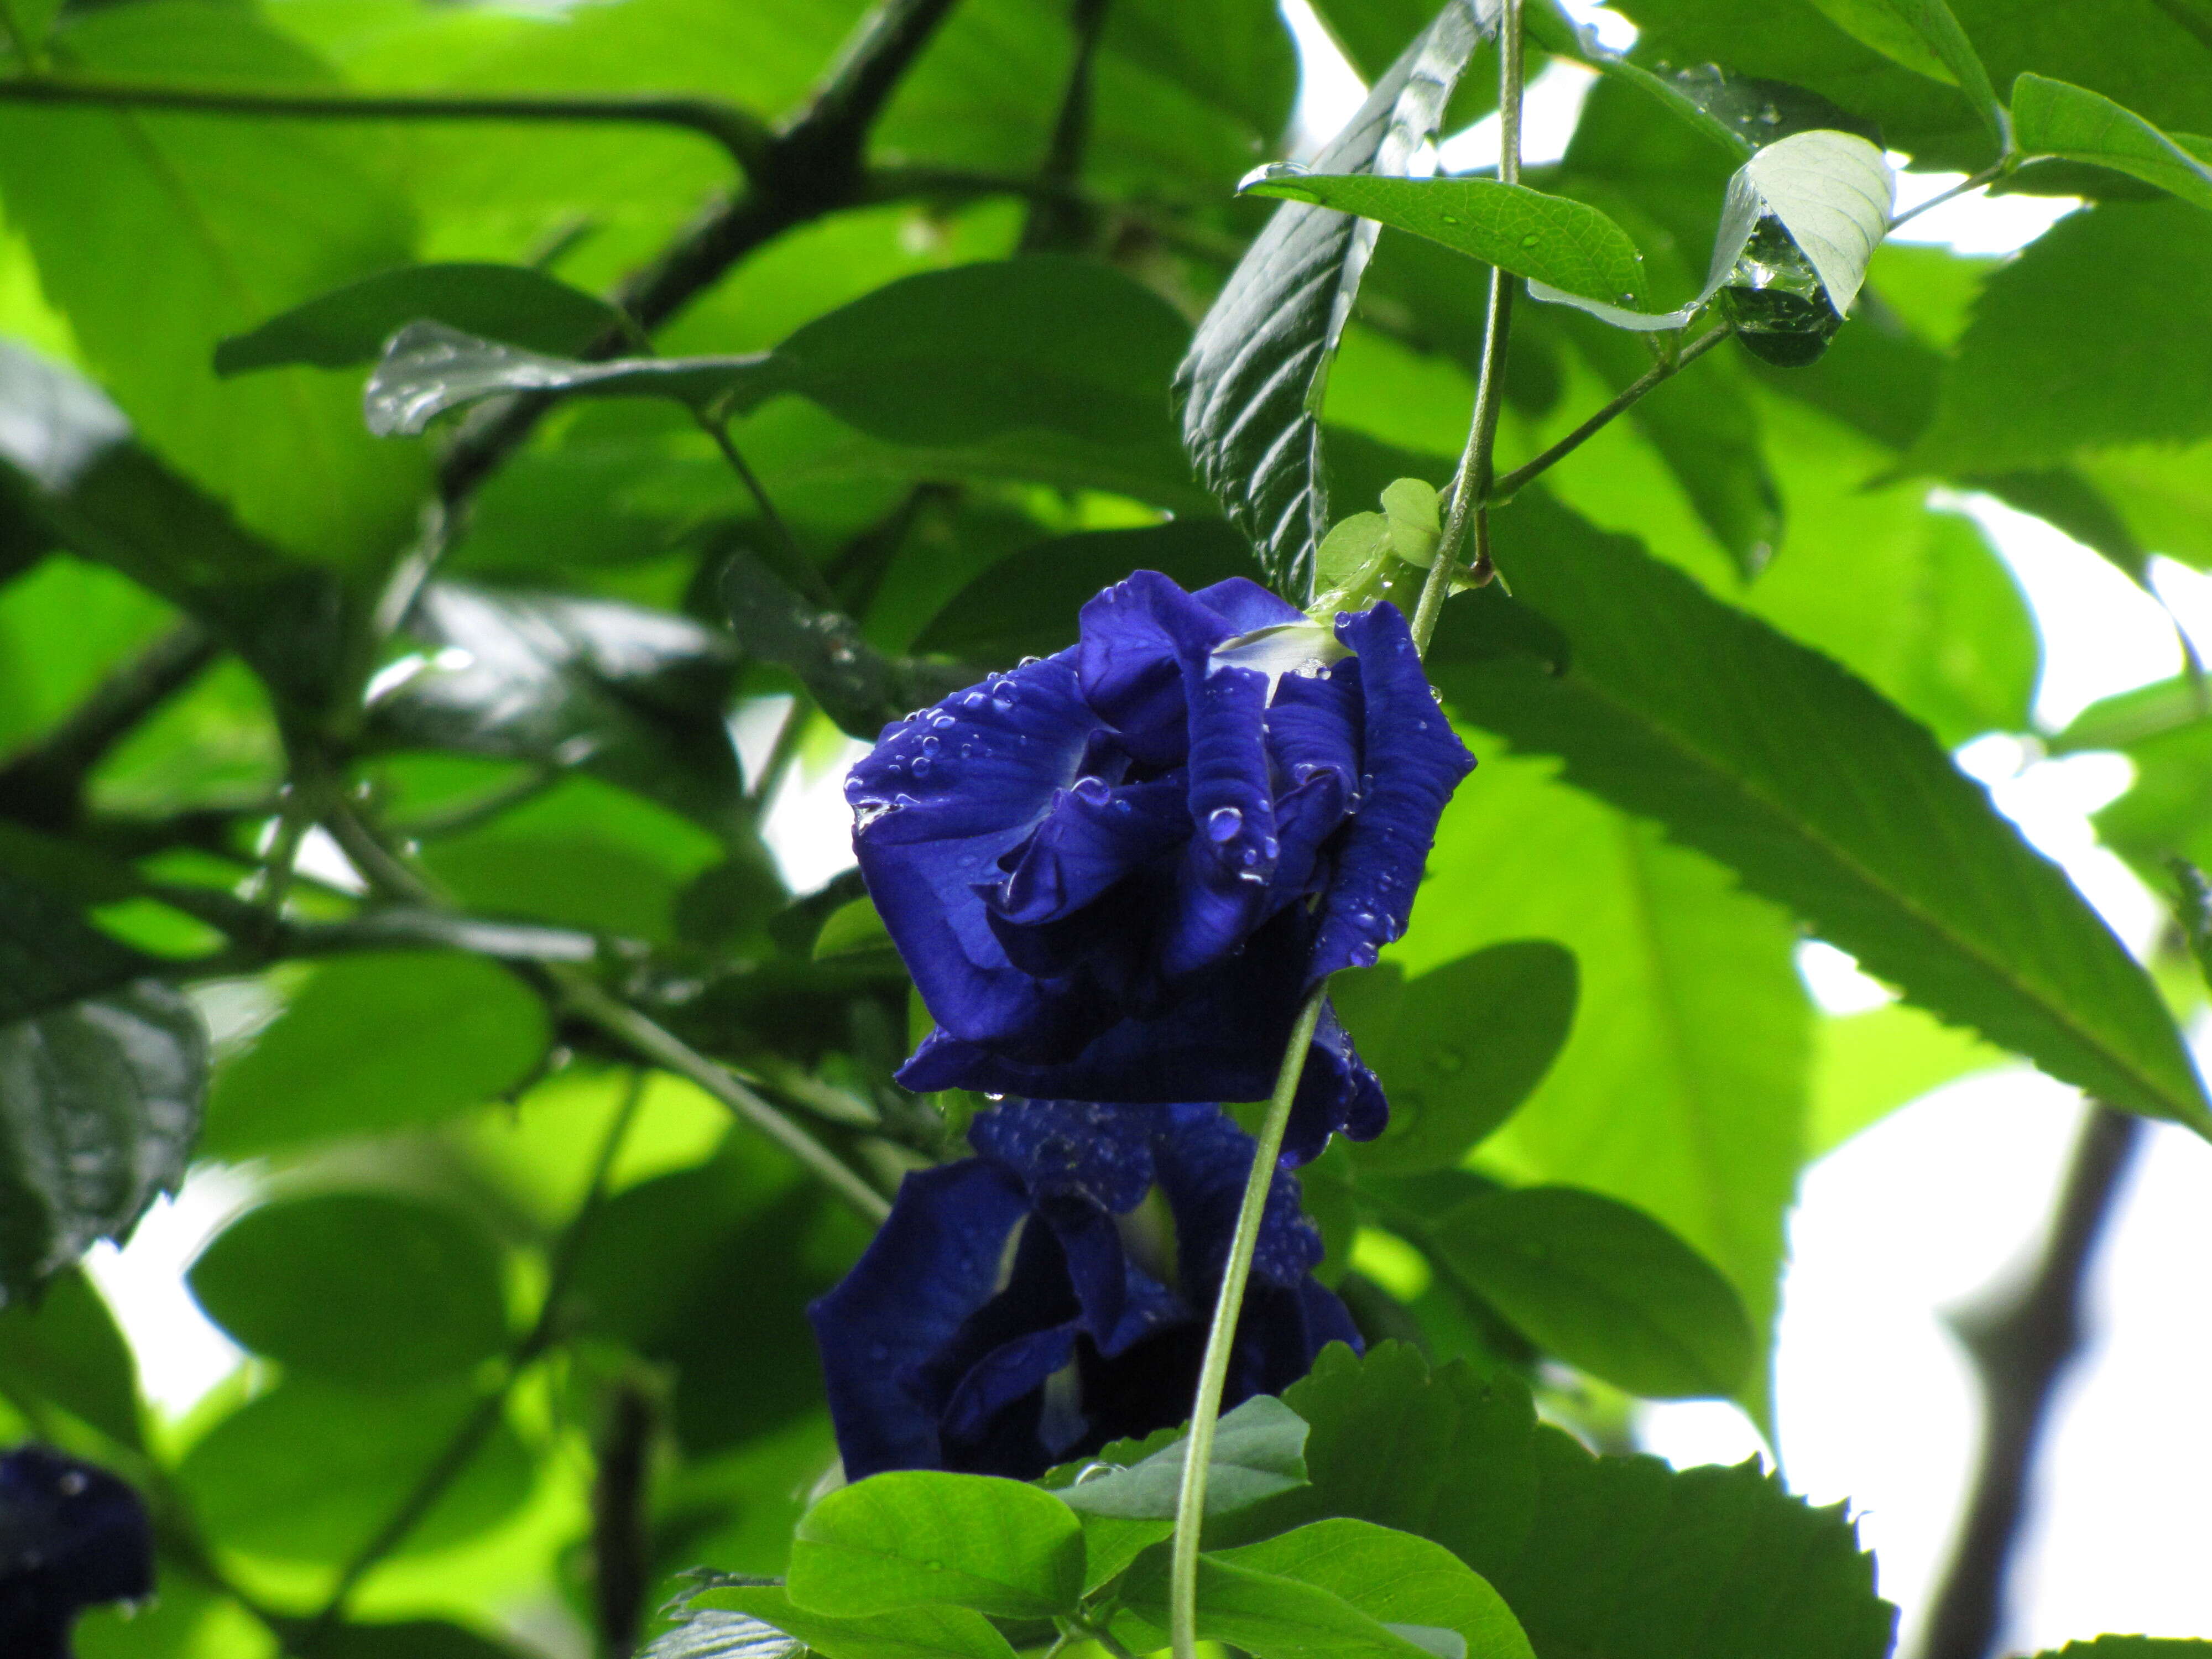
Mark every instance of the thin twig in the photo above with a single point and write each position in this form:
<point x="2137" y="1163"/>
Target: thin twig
<point x="744" y="136"/>
<point x="1989" y="174"/>
<point x="1221" y="1336"/>
<point x="1056" y="219"/>
<point x="469" y="1439"/>
<point x="1470" y="484"/>
<point x="717" y="426"/>
<point x="2023" y="1339"/>
<point x="1502" y="488"/>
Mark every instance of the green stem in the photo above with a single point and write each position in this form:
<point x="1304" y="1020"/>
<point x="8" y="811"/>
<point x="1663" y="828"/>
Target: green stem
<point x="742" y="135"/>
<point x="718" y="428"/>
<point x="469" y="1439"/>
<point x="1221" y="1338"/>
<point x="1470" y="484"/>
<point x="1502" y="490"/>
<point x="1989" y="174"/>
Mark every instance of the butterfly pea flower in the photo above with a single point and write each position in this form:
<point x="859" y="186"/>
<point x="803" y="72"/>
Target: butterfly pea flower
<point x="72" y="1536"/>
<point x="1027" y="1305"/>
<point x="1115" y="872"/>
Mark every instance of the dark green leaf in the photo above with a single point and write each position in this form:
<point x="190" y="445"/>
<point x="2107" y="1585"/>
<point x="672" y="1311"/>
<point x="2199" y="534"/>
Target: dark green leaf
<point x="100" y="1103"/>
<point x="1253" y="385"/>
<point x="1444" y="1454"/>
<point x="1459" y="1047"/>
<point x="514" y="303"/>
<point x="364" y="1288"/>
<point x="2130" y="1647"/>
<point x="921" y="1537"/>
<point x="1026" y="605"/>
<point x="1924" y="37"/>
<point x="373" y="1042"/>
<point x="715" y="1633"/>
<point x="1258" y="1451"/>
<point x="1634" y="1560"/>
<point x="66" y="1350"/>
<point x="931" y="1632"/>
<point x="309" y="1472"/>
<point x="632" y="695"/>
<point x="1800" y="791"/>
<point x="1263" y="1614"/>
<point x="1604" y="1287"/>
<point x="67" y="454"/>
<point x="412" y="1639"/>
<point x="2095" y="336"/>
<point x="158" y="234"/>
<point x="1552" y="239"/>
<point x="1396" y="1577"/>
<point x="428" y="369"/>
<point x="49" y="955"/>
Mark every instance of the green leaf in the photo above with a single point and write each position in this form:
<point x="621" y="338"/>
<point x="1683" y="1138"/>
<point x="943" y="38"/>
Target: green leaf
<point x="1026" y="605"/>
<point x="518" y="304"/>
<point x="1925" y="36"/>
<point x="28" y="23"/>
<point x="2053" y="117"/>
<point x="1802" y="792"/>
<point x="372" y="1043"/>
<point x="310" y="1472"/>
<point x="1551" y="239"/>
<point x="2094" y="336"/>
<point x="943" y="357"/>
<point x="67" y="456"/>
<point x="1396" y="1577"/>
<point x="715" y="1633"/>
<point x="1604" y="1287"/>
<point x="411" y="1638"/>
<point x="1869" y="1064"/>
<point x="49" y="955"/>
<point x="930" y="1632"/>
<point x="1252" y="386"/>
<point x="632" y="695"/>
<point x="158" y="234"/>
<point x="1266" y="1614"/>
<point x="1832" y="192"/>
<point x="1690" y="1007"/>
<point x="1259" y="1450"/>
<point x="2129" y="1647"/>
<point x="1631" y="1559"/>
<point x="100" y="1102"/>
<point x="854" y="929"/>
<point x="370" y="1289"/>
<point x="1450" y="1086"/>
<point x="1445" y="1454"/>
<point x="919" y="1537"/>
<point x="66" y="1349"/>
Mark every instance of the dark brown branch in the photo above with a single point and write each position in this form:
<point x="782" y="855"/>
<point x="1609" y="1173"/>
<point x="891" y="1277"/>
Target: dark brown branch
<point x="44" y="786"/>
<point x="810" y="168"/>
<point x="2023" y="1338"/>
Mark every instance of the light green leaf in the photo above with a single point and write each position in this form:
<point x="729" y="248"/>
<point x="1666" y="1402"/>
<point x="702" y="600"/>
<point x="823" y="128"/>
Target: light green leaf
<point x="1925" y="36"/>
<point x="27" y="22"/>
<point x="854" y="929"/>
<point x="68" y="1350"/>
<point x="1867" y="1064"/>
<point x="1253" y="385"/>
<point x="159" y="234"/>
<point x="2094" y="336"/>
<point x="1397" y="1578"/>
<point x="1549" y="239"/>
<point x="1450" y="1086"/>
<point x="2130" y="1647"/>
<point x="1832" y="192"/>
<point x="919" y="1537"/>
<point x="100" y="1103"/>
<point x="374" y="1042"/>
<point x="932" y="1632"/>
<point x="1604" y="1287"/>
<point x="1258" y="1451"/>
<point x="1804" y="791"/>
<point x="2054" y="118"/>
<point x="513" y="303"/>
<point x="1266" y="1614"/>
<point x="365" y="1288"/>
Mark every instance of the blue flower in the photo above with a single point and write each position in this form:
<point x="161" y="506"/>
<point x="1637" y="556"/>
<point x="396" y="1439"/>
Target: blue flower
<point x="71" y="1537"/>
<point x="1115" y="873"/>
<point x="1028" y="1305"/>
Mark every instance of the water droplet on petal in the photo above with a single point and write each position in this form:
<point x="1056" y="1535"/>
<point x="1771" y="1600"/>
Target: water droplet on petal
<point x="1223" y="823"/>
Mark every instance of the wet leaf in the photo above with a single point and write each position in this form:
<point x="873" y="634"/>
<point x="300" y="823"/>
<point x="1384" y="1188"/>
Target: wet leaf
<point x="2054" y="118"/>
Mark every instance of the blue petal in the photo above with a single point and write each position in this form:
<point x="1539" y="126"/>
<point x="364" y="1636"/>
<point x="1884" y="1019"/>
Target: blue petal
<point x="1246" y="606"/>
<point x="1092" y="837"/>
<point x="72" y="1536"/>
<point x="1063" y="1148"/>
<point x="1222" y="887"/>
<point x="1414" y="761"/>
<point x="942" y="799"/>
<point x="1205" y="1159"/>
<point x="1137" y="635"/>
<point x="1317" y="722"/>
<point x="931" y="1265"/>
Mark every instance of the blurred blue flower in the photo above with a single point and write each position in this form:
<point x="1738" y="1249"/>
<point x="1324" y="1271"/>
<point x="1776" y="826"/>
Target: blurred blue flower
<point x="1027" y="1305"/>
<point x="1115" y="872"/>
<point x="72" y="1536"/>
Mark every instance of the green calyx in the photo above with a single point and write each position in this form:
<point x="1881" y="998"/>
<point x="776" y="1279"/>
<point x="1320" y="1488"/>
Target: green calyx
<point x="1372" y="556"/>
